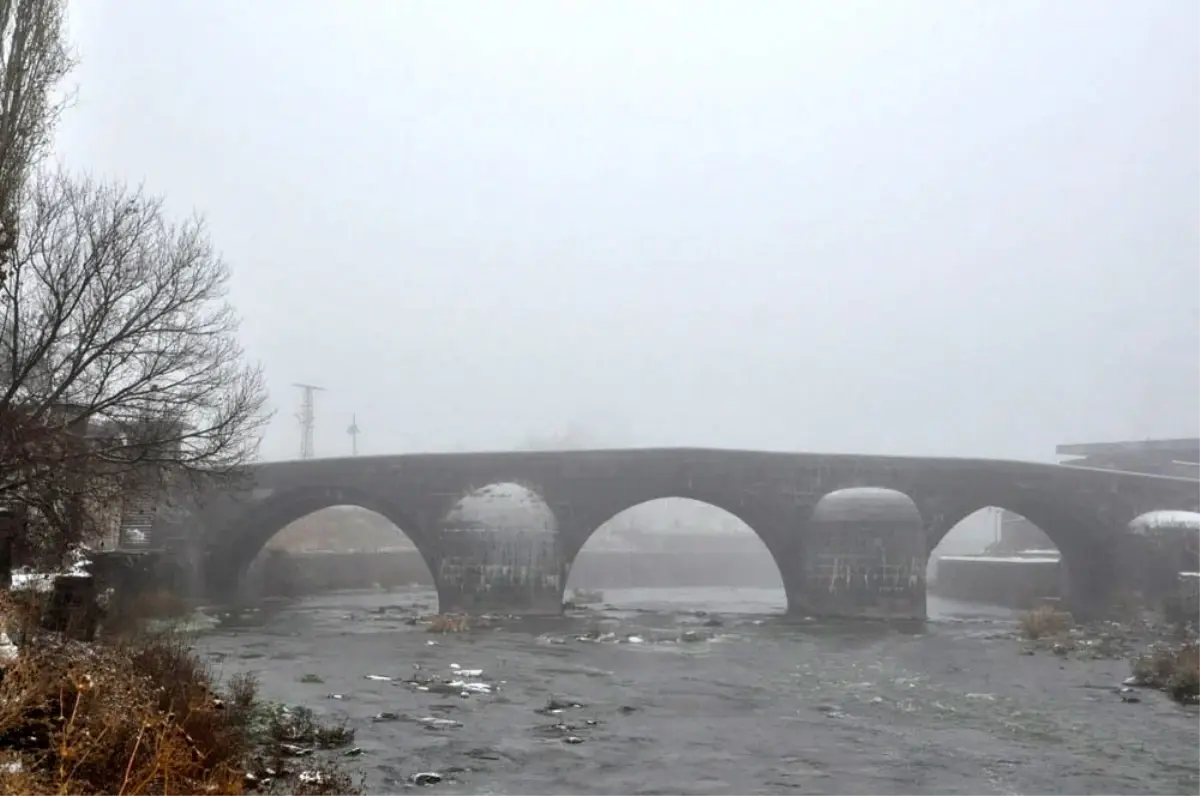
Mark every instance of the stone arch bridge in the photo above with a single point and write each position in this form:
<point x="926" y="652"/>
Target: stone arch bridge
<point x="1086" y="512"/>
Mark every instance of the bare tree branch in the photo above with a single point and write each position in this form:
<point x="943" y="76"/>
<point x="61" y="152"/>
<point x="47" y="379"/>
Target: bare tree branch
<point x="119" y="359"/>
<point x="33" y="61"/>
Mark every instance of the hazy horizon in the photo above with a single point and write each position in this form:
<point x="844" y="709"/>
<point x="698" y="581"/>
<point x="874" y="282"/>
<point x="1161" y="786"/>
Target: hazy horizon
<point x="939" y="228"/>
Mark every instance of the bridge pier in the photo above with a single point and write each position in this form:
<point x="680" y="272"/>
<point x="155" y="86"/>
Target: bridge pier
<point x="1089" y="587"/>
<point x="857" y="570"/>
<point x="483" y="571"/>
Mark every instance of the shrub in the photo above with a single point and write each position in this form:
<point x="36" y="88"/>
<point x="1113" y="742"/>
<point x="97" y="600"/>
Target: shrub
<point x="1171" y="668"/>
<point x="144" y="717"/>
<point x="1045" y="621"/>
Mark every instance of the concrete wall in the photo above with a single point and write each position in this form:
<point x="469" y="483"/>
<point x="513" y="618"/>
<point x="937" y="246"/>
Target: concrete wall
<point x="1012" y="582"/>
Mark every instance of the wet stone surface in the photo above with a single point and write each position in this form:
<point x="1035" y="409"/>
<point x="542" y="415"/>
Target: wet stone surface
<point x="660" y="698"/>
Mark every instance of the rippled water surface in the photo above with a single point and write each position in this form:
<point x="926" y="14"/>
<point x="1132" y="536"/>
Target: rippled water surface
<point x="712" y="691"/>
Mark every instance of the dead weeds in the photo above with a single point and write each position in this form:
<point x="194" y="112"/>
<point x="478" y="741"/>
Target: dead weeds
<point x="1174" y="668"/>
<point x="1044" y="622"/>
<point x="146" y="716"/>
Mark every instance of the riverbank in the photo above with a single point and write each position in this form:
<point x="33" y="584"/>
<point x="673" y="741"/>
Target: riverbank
<point x="1163" y="655"/>
<point x="143" y="714"/>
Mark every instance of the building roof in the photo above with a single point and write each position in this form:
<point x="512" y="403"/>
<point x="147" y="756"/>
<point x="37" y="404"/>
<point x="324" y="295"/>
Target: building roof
<point x="1182" y="446"/>
<point x="1170" y="521"/>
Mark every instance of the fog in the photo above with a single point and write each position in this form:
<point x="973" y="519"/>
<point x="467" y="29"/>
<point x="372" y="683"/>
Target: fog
<point x="947" y="227"/>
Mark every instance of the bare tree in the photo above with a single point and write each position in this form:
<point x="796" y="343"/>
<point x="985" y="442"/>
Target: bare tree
<point x="119" y="359"/>
<point x="33" y="61"/>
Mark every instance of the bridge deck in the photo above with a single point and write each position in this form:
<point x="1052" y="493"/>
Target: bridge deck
<point x="817" y="459"/>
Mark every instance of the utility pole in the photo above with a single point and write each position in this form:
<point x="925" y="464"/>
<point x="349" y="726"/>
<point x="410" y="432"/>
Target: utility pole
<point x="353" y="431"/>
<point x="307" y="419"/>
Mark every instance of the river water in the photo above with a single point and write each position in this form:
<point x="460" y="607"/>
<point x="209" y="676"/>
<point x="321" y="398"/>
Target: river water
<point x="710" y="691"/>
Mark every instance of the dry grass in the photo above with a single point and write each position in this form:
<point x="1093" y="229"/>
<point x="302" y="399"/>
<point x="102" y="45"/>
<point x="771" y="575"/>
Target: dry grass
<point x="1045" y="621"/>
<point x="21" y="613"/>
<point x="449" y="623"/>
<point x="1172" y="668"/>
<point x="147" y="717"/>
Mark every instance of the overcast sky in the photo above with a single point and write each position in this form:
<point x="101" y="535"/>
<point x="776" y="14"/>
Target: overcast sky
<point x="961" y="228"/>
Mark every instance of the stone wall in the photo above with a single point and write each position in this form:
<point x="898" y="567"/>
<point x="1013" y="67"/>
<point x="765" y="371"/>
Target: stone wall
<point x="482" y="569"/>
<point x="864" y="570"/>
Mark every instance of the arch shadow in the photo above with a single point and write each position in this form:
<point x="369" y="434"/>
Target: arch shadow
<point x="252" y="530"/>
<point x="572" y="545"/>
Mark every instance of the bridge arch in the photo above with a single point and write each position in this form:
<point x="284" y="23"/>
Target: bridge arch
<point x="1020" y="566"/>
<point x="229" y="561"/>
<point x="1089" y="550"/>
<point x="625" y="549"/>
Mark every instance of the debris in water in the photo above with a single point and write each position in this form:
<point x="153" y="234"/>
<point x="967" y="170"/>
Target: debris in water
<point x="483" y="754"/>
<point x="334" y="696"/>
<point x="386" y="715"/>
<point x="831" y="711"/>
<point x="573" y="739"/>
<point x="473" y="688"/>
<point x="436" y="723"/>
<point x="354" y="752"/>
<point x="554" y="706"/>
<point x="467" y="672"/>
<point x="425" y="778"/>
<point x="294" y="750"/>
<point x="988" y="697"/>
<point x="380" y="678"/>
<point x="633" y="639"/>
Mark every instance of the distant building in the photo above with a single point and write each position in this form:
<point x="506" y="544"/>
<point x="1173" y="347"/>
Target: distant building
<point x="1178" y="457"/>
<point x="1017" y="533"/>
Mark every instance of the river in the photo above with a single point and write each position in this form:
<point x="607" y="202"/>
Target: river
<point x="712" y="691"/>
